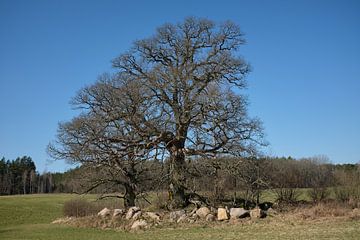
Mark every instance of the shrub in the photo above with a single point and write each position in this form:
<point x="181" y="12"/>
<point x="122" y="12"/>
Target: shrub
<point x="342" y="193"/>
<point x="349" y="195"/>
<point x="319" y="194"/>
<point x="79" y="208"/>
<point x="287" y="195"/>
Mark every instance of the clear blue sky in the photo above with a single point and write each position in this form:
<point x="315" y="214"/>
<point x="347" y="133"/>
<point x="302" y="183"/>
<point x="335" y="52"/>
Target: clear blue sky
<point x="305" y="56"/>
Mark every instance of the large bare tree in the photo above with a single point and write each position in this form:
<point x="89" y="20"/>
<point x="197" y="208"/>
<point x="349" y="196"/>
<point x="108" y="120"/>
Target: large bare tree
<point x="175" y="95"/>
<point x="101" y="139"/>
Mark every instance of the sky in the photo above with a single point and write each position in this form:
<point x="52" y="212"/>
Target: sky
<point x="305" y="58"/>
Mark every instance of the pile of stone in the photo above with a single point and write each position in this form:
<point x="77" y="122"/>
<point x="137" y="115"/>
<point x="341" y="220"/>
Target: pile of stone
<point x="203" y="213"/>
<point x="138" y="219"/>
<point x="134" y="216"/>
<point x="211" y="214"/>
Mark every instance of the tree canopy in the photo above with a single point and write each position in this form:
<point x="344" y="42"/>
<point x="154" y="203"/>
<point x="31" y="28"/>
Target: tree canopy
<point x="173" y="96"/>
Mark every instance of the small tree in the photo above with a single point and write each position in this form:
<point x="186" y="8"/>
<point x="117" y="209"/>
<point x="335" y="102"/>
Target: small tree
<point x="321" y="178"/>
<point x="253" y="177"/>
<point x="285" y="179"/>
<point x="347" y="179"/>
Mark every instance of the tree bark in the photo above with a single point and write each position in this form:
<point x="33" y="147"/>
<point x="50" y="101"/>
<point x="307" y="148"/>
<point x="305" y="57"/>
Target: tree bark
<point x="177" y="195"/>
<point x="130" y="196"/>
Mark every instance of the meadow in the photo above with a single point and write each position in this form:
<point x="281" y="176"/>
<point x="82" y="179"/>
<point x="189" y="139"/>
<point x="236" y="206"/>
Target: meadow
<point x="30" y="217"/>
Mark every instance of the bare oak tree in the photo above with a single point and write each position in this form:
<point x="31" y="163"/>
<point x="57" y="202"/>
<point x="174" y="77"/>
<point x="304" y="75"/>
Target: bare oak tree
<point x="175" y="96"/>
<point x="101" y="140"/>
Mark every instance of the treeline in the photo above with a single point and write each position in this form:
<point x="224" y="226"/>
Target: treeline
<point x="19" y="176"/>
<point x="228" y="179"/>
<point x="248" y="178"/>
<point x="219" y="178"/>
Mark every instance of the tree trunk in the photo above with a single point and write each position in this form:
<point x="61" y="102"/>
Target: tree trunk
<point x="234" y="183"/>
<point x="24" y="179"/>
<point x="177" y="195"/>
<point x="130" y="196"/>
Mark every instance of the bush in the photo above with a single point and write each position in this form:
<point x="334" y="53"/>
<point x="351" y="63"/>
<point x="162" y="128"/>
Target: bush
<point x="343" y="194"/>
<point x="79" y="208"/>
<point x="348" y="189"/>
<point x="349" y="195"/>
<point x="319" y="194"/>
<point x="287" y="195"/>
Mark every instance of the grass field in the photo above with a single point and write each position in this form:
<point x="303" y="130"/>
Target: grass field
<point x="29" y="217"/>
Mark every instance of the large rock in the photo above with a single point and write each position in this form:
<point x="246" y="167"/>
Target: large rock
<point x="118" y="212"/>
<point x="257" y="213"/>
<point x="222" y="214"/>
<point x="176" y="214"/>
<point x="137" y="215"/>
<point x="153" y="216"/>
<point x="203" y="212"/>
<point x="130" y="213"/>
<point x="239" y="213"/>
<point x="210" y="218"/>
<point x="139" y="224"/>
<point x="104" y="213"/>
<point x="271" y="212"/>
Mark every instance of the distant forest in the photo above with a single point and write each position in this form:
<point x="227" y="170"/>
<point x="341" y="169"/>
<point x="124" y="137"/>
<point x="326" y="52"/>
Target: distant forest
<point x="19" y="176"/>
<point x="215" y="176"/>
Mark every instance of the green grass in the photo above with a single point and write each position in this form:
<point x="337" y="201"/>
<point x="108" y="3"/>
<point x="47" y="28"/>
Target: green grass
<point x="270" y="195"/>
<point x="29" y="217"/>
<point x="27" y="209"/>
<point x="30" y="209"/>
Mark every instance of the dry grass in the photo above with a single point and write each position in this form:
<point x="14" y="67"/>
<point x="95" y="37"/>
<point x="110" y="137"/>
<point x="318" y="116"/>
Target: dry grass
<point x="80" y="207"/>
<point x="326" y="211"/>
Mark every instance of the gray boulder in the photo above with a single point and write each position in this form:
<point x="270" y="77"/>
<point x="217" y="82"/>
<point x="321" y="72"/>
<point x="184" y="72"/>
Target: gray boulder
<point x="210" y="218"/>
<point x="257" y="213"/>
<point x="271" y="212"/>
<point x="137" y="215"/>
<point x="104" y="213"/>
<point x="139" y="224"/>
<point x="153" y="216"/>
<point x="203" y="212"/>
<point x="239" y="213"/>
<point x="176" y="214"/>
<point x="118" y="212"/>
<point x="130" y="213"/>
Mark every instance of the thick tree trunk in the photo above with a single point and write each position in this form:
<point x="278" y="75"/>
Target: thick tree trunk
<point x="130" y="196"/>
<point x="177" y="195"/>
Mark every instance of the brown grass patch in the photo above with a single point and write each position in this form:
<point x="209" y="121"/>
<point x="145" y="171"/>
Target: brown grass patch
<point x="323" y="210"/>
<point x="80" y="207"/>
